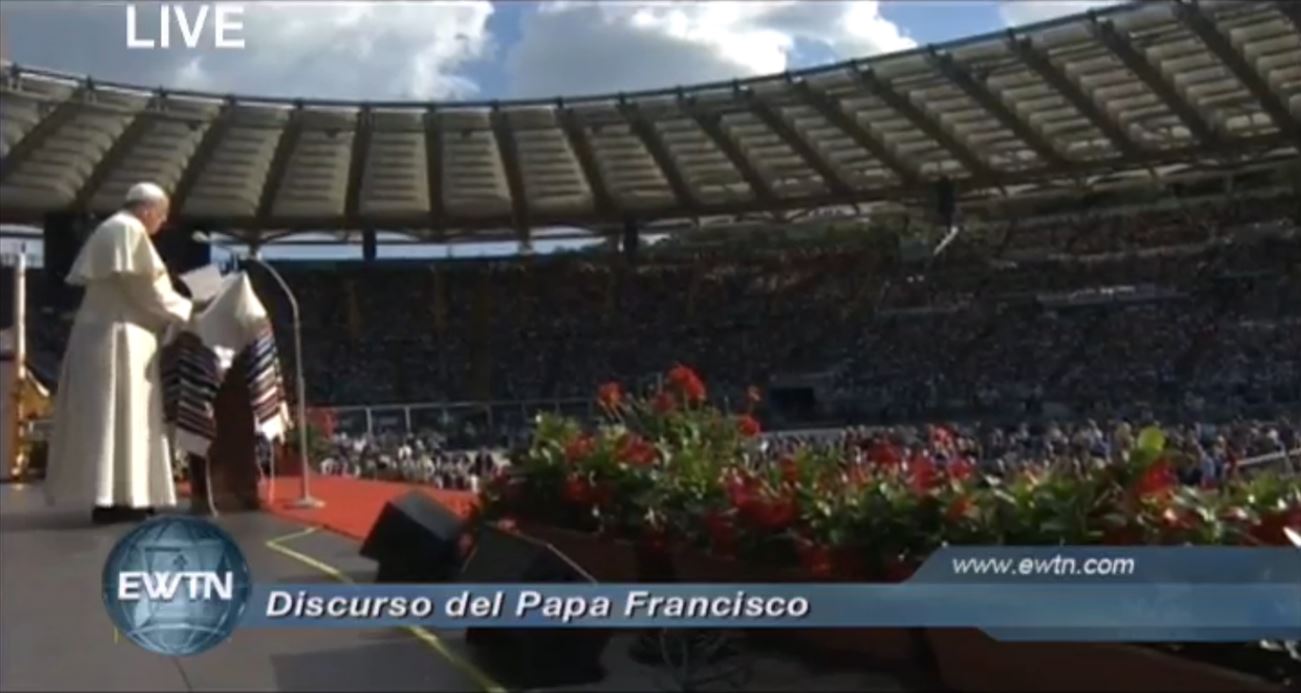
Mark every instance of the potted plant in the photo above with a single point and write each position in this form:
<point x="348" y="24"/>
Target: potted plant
<point x="1136" y="502"/>
<point x="667" y="487"/>
<point x="321" y="425"/>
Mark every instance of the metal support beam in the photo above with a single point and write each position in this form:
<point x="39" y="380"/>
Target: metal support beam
<point x="279" y="166"/>
<point x="862" y="136"/>
<point x="1136" y="62"/>
<point x="208" y="145"/>
<point x="357" y="166"/>
<point x="1043" y="66"/>
<point x="44" y="129"/>
<point x="978" y="91"/>
<point x="576" y="133"/>
<point x="1220" y="44"/>
<point x="508" y="148"/>
<point x="712" y="124"/>
<point x="922" y="121"/>
<point x="116" y="153"/>
<point x="650" y="139"/>
<point x="811" y="156"/>
<point x="434" y="172"/>
<point x="1290" y="10"/>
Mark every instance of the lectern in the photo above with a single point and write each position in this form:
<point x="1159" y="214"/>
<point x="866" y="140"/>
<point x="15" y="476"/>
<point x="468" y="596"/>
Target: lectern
<point x="231" y="465"/>
<point x="223" y="391"/>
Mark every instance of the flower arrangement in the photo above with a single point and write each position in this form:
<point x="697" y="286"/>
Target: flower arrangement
<point x="321" y="425"/>
<point x="670" y="471"/>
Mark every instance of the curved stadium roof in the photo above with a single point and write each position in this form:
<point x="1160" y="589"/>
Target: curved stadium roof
<point x="1103" y="96"/>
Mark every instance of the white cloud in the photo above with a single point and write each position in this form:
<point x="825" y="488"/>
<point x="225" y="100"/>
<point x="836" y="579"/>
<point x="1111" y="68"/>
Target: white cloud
<point x="362" y="50"/>
<point x="1021" y="12"/>
<point x="334" y="50"/>
<point x="583" y="48"/>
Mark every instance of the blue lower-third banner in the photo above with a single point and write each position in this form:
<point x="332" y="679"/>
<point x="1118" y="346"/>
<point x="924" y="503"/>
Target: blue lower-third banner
<point x="1014" y="593"/>
<point x="1166" y="608"/>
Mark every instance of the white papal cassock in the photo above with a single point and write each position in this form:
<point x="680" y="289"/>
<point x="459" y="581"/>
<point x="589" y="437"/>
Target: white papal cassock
<point x="109" y="445"/>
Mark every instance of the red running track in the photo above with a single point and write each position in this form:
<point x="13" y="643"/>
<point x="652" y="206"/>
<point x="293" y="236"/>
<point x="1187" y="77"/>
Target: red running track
<point x="351" y="505"/>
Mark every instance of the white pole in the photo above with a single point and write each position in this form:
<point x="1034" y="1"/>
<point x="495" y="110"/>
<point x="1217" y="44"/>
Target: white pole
<point x="305" y="499"/>
<point x="13" y="387"/>
<point x="20" y="315"/>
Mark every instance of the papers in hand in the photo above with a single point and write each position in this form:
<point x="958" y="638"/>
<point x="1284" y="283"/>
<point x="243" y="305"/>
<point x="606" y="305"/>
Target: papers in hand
<point x="204" y="283"/>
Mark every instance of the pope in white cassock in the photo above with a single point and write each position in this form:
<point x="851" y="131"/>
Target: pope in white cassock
<point x="109" y="448"/>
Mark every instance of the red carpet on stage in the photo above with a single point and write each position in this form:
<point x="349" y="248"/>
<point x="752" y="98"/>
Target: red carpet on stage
<point x="351" y="505"/>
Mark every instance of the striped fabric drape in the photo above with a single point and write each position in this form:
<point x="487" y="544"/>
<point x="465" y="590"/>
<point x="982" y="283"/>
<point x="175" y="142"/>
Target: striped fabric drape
<point x="233" y="330"/>
<point x="191" y="374"/>
<point x="266" y="385"/>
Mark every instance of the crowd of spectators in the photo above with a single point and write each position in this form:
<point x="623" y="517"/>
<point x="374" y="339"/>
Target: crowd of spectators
<point x="1186" y="312"/>
<point x="1205" y="453"/>
<point x="420" y="457"/>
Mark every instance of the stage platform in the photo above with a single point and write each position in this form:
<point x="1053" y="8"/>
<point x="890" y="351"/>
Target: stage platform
<point x="57" y="637"/>
<point x="351" y="505"/>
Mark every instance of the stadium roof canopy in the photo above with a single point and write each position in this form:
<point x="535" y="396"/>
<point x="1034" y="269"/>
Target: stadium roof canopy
<point x="1097" y="98"/>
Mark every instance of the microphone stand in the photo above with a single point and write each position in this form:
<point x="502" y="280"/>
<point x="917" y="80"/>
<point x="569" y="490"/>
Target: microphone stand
<point x="305" y="499"/>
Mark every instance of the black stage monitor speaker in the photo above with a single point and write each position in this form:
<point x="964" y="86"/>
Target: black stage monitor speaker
<point x="534" y="657"/>
<point x="415" y="539"/>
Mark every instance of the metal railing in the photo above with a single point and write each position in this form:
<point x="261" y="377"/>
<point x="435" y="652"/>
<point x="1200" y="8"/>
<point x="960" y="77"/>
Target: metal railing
<point x="452" y="416"/>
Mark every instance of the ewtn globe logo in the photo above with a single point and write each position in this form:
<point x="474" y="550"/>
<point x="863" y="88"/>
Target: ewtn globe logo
<point x="176" y="585"/>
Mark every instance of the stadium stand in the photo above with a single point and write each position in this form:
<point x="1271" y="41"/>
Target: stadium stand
<point x="1125" y="180"/>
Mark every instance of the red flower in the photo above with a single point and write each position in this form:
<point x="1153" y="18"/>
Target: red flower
<point x="883" y="454"/>
<point x="959" y="508"/>
<point x="323" y="420"/>
<point x="748" y="426"/>
<point x="578" y="490"/>
<point x="580" y="448"/>
<point x="961" y="469"/>
<point x="790" y="471"/>
<point x="609" y="396"/>
<point x="922" y="474"/>
<point x="858" y="476"/>
<point x="663" y="403"/>
<point x="1158" y="480"/>
<point x="636" y="451"/>
<point x="687" y="383"/>
<point x="739" y="487"/>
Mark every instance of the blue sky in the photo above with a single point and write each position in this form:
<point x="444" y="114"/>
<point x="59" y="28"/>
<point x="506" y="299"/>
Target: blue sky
<point x="495" y="50"/>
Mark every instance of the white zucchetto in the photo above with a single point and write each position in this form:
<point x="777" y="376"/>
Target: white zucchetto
<point x="145" y="192"/>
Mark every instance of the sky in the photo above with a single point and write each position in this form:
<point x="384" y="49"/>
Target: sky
<point x="479" y="51"/>
<point x="489" y="50"/>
